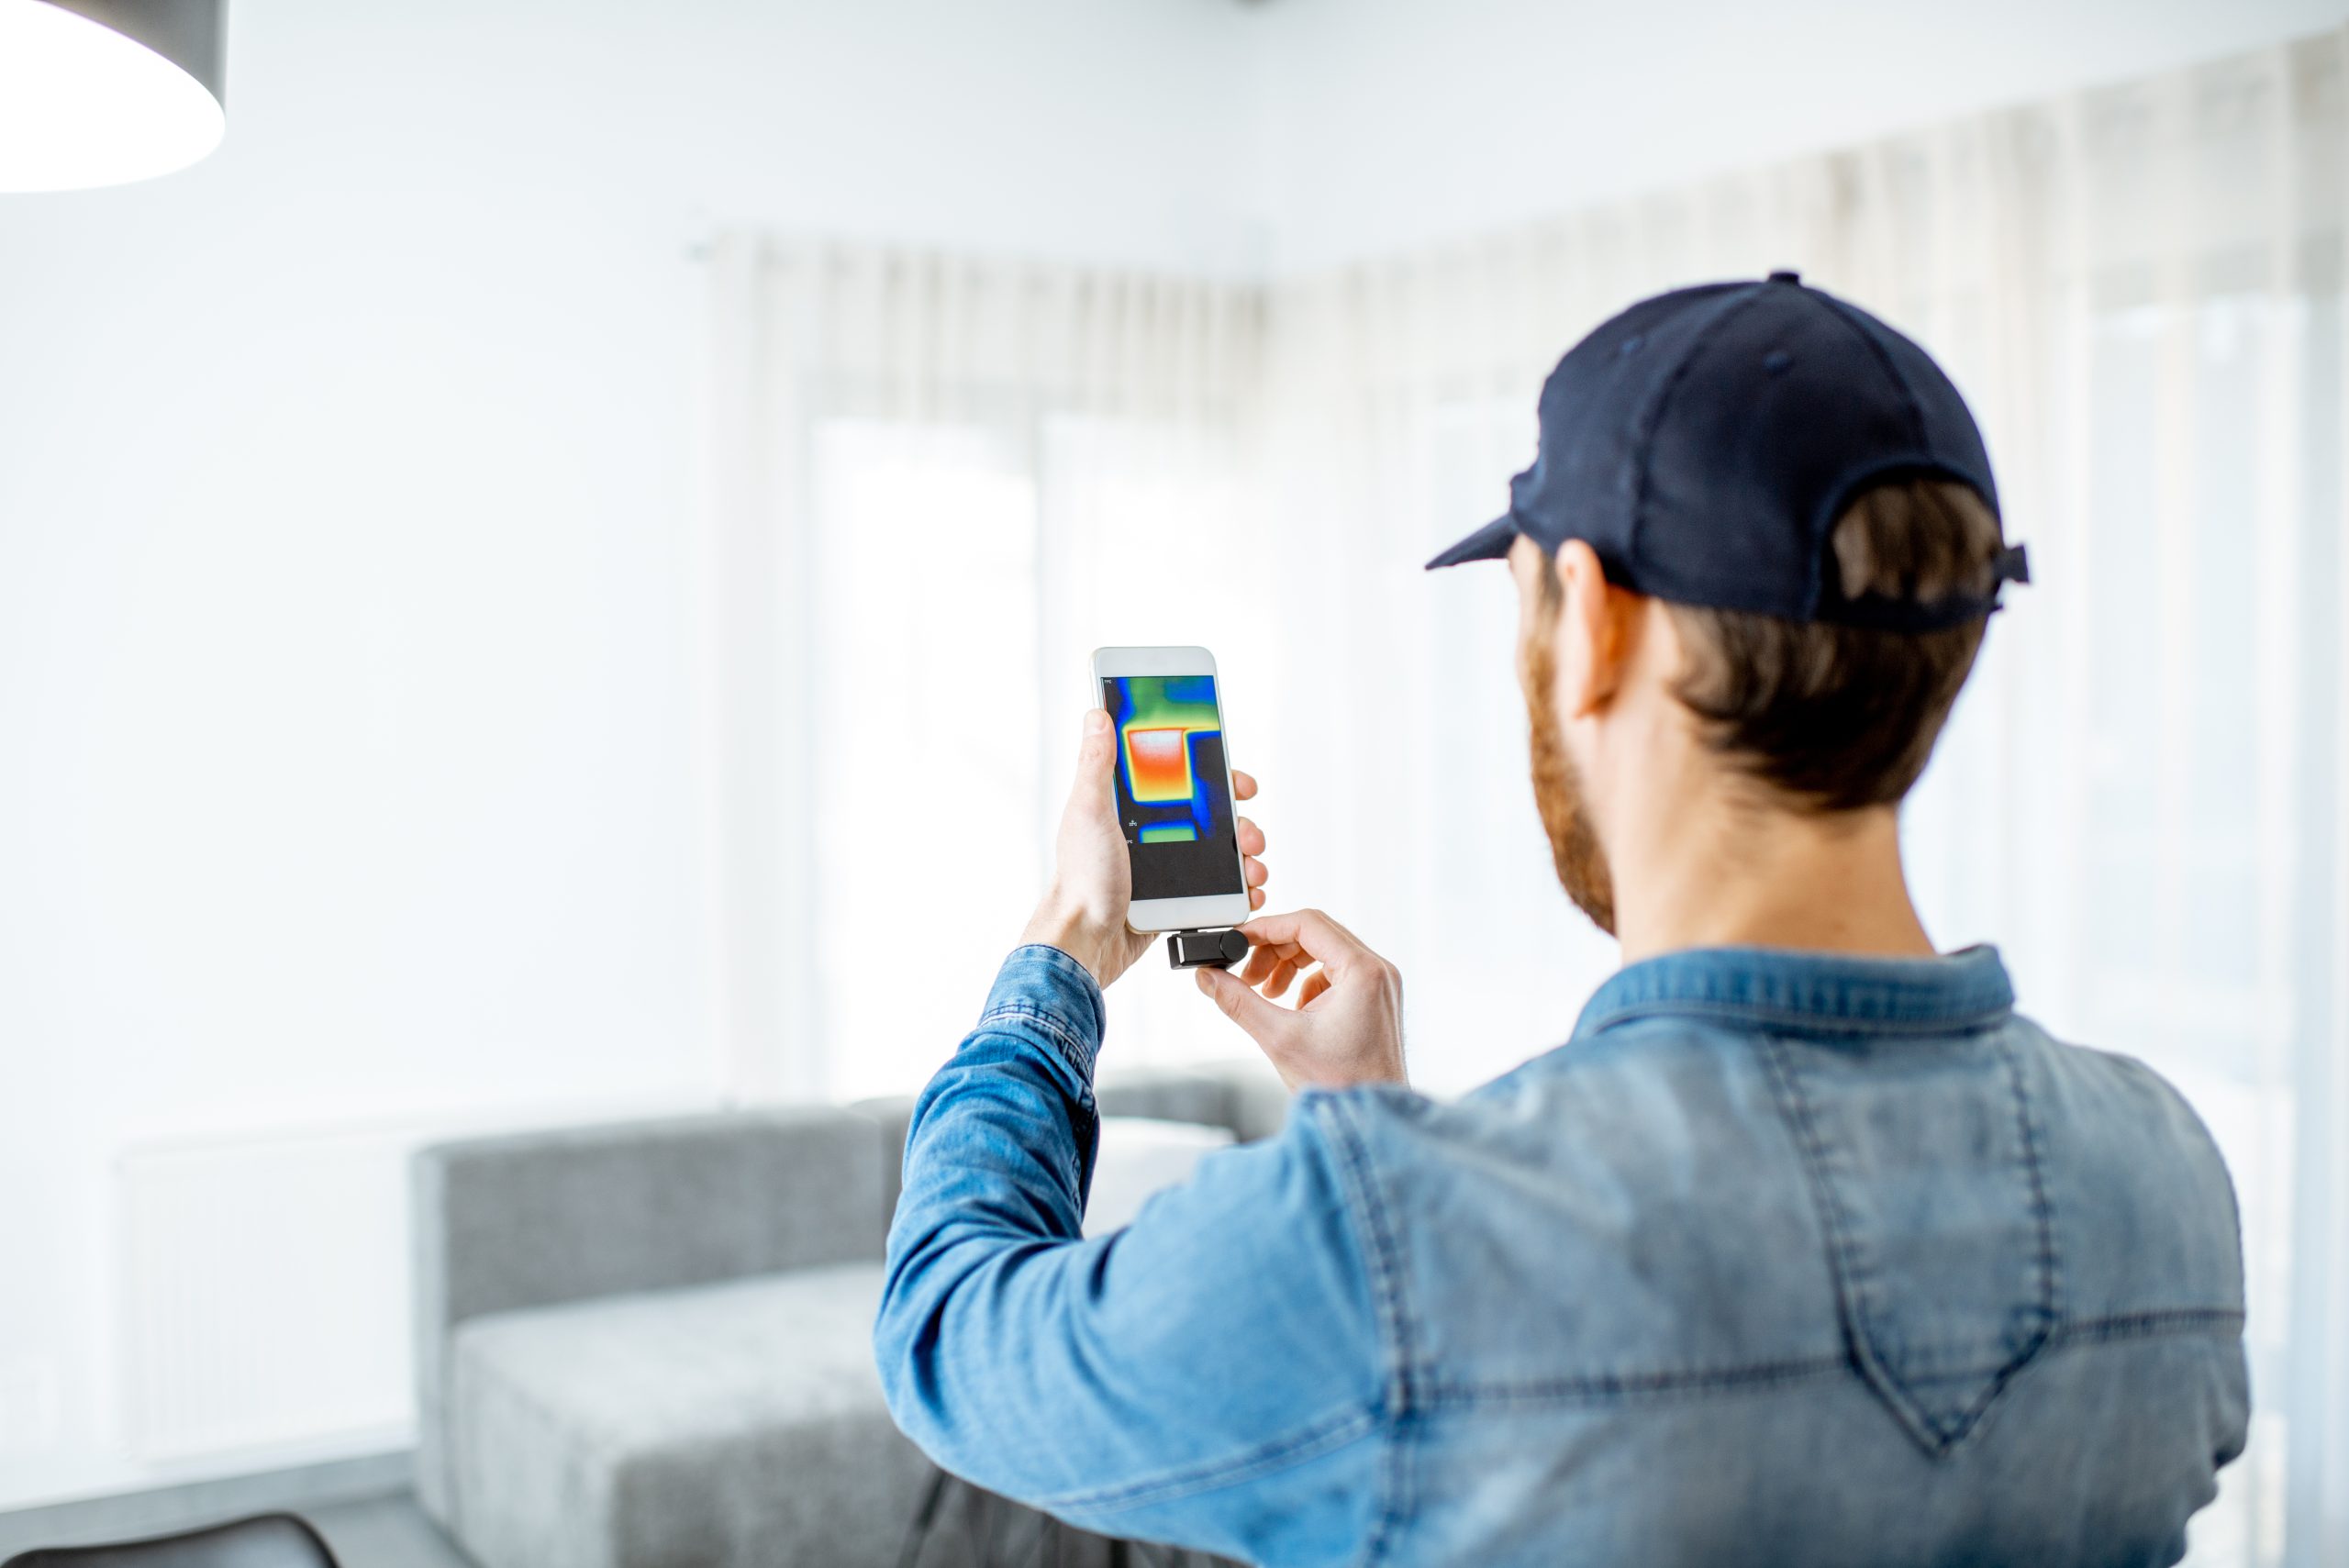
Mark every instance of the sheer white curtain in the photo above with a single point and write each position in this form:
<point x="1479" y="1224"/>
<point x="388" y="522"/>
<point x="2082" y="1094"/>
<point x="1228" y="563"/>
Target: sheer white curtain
<point x="2141" y="798"/>
<point x="941" y="481"/>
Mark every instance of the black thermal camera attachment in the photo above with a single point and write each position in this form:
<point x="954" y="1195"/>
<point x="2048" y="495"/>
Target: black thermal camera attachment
<point x="1205" y="949"/>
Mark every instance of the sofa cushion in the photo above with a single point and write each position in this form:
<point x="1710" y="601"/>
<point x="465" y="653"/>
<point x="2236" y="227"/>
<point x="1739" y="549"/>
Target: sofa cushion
<point x="528" y="1219"/>
<point x="741" y="1422"/>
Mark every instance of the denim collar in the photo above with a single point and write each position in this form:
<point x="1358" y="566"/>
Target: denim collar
<point x="1827" y="993"/>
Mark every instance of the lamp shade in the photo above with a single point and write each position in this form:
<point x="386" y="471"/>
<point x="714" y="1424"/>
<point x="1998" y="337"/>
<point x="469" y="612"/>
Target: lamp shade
<point x="100" y="92"/>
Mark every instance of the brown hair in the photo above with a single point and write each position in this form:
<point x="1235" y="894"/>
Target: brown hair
<point x="1836" y="717"/>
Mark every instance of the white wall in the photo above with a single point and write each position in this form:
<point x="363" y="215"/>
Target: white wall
<point x="349" y="767"/>
<point x="1398" y="122"/>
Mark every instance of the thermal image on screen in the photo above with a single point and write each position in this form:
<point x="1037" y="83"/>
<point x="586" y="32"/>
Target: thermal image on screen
<point x="1171" y="783"/>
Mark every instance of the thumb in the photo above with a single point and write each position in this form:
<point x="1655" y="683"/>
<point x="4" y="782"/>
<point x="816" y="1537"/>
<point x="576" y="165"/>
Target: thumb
<point x="1095" y="759"/>
<point x="1259" y="1018"/>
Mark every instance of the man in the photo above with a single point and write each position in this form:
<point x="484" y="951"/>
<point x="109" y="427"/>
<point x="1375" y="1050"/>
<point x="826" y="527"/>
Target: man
<point x="1806" y="1248"/>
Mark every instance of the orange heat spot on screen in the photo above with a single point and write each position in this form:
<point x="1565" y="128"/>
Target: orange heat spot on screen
<point x="1158" y="764"/>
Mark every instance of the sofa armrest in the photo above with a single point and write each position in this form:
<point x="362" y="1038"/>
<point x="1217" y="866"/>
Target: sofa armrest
<point x="536" y="1218"/>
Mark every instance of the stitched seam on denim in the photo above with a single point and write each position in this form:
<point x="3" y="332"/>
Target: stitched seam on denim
<point x="1385" y="1267"/>
<point x="2059" y="1343"/>
<point x="1804" y="1023"/>
<point x="1863" y="1348"/>
<point x="1325" y="1435"/>
<point x="1073" y="1051"/>
<point x="1858" y="1327"/>
<point x="1354" y="1163"/>
<point x="1969" y="1420"/>
<point x="2180" y="1321"/>
<point x="1655" y="418"/>
<point x="1795" y="1106"/>
<point x="2040" y="1215"/>
<point x="1403" y="1451"/>
<point x="1625" y="1386"/>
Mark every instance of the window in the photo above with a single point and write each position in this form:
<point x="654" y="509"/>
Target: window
<point x="926" y="746"/>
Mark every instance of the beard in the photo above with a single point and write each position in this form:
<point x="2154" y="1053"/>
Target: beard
<point x="1557" y="790"/>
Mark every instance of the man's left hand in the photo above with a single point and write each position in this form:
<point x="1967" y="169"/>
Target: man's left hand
<point x="1084" y="911"/>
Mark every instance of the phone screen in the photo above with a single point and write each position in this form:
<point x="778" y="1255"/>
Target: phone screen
<point x="1174" y="798"/>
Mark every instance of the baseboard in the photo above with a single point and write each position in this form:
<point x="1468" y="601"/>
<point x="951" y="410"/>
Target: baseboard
<point x="129" y="1515"/>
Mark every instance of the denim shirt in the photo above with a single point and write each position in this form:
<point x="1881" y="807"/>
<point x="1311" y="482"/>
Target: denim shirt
<point x="1783" y="1257"/>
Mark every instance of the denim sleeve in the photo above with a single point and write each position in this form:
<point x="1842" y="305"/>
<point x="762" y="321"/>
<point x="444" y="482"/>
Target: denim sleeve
<point x="1209" y="1375"/>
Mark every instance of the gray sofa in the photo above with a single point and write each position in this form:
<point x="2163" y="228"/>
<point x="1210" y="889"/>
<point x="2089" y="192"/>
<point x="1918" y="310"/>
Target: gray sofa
<point x="648" y="1344"/>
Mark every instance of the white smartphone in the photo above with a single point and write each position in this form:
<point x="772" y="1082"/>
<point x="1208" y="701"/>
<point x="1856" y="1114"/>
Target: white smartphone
<point x="1175" y="798"/>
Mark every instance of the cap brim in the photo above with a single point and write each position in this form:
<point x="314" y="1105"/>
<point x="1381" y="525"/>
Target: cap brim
<point x="1488" y="543"/>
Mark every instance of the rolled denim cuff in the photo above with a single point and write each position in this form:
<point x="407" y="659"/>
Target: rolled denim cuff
<point x="1043" y="988"/>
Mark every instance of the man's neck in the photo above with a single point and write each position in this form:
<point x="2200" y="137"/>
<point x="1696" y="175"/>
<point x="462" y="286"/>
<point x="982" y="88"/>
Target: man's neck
<point x="1730" y="874"/>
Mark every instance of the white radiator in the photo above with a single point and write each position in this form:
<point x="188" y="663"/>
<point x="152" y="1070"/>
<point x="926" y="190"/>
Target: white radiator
<point x="263" y="1292"/>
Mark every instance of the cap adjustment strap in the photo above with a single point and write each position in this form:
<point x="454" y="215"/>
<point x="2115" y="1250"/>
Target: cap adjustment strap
<point x="1885" y="613"/>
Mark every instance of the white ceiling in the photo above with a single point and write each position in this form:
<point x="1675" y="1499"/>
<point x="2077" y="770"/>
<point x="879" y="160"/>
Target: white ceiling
<point x="1392" y="122"/>
<point x="1189" y="135"/>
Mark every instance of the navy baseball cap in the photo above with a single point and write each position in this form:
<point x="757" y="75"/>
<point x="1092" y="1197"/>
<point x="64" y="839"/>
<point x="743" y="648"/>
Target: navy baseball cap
<point x="1704" y="443"/>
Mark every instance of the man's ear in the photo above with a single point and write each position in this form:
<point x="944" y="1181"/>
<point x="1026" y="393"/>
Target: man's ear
<point x="1594" y="631"/>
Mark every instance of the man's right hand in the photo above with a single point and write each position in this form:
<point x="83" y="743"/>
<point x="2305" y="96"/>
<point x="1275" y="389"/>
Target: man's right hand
<point x="1347" y="1026"/>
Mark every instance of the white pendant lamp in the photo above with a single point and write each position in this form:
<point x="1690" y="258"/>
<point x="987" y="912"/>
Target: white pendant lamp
<point x="100" y="92"/>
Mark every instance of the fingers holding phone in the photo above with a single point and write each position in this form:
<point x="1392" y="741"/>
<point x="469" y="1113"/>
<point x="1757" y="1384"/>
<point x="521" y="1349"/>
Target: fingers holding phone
<point x="1251" y="840"/>
<point x="1347" y="1026"/>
